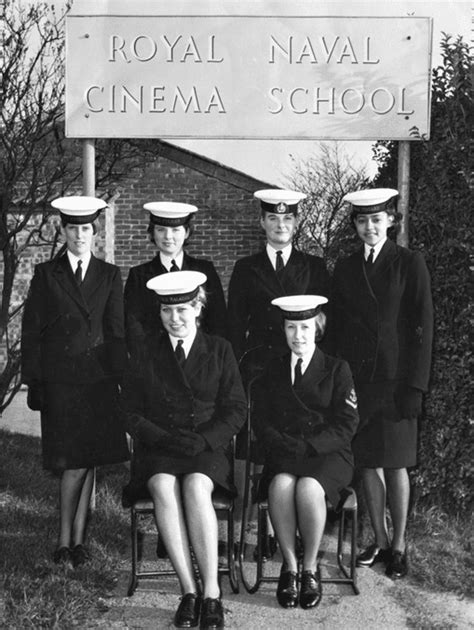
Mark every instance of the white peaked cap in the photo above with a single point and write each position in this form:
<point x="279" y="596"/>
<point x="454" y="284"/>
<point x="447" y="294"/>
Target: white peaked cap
<point x="177" y="287"/>
<point x="169" y="212"/>
<point x="299" y="306"/>
<point x="372" y="197"/>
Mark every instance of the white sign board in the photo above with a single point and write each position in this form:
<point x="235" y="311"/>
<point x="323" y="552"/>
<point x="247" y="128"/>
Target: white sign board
<point x="247" y="76"/>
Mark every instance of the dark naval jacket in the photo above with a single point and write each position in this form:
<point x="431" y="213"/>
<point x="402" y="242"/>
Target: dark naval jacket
<point x="322" y="412"/>
<point x="383" y="317"/>
<point x="254" y="283"/>
<point x="142" y="308"/>
<point x="73" y="334"/>
<point x="206" y="396"/>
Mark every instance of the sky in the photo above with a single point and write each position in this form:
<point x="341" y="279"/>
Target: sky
<point x="269" y="160"/>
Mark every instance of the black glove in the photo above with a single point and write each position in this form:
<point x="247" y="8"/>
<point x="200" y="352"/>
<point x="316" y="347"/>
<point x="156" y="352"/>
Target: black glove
<point x="408" y="401"/>
<point x="191" y="442"/>
<point x="295" y="447"/>
<point x="273" y="441"/>
<point x="35" y="396"/>
<point x="171" y="444"/>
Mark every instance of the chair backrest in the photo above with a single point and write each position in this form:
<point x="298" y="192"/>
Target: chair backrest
<point x="251" y="367"/>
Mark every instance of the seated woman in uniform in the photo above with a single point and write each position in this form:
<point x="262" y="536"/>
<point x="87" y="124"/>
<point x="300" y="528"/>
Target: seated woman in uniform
<point x="183" y="401"/>
<point x="307" y="415"/>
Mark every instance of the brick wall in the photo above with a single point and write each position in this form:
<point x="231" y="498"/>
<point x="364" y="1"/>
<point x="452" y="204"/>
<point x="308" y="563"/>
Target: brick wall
<point x="226" y="226"/>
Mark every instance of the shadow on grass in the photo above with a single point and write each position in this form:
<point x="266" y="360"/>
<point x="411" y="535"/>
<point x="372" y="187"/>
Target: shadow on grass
<point x="38" y="593"/>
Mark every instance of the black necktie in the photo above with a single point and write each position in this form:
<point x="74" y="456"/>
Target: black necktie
<point x="174" y="267"/>
<point x="78" y="273"/>
<point x="370" y="257"/>
<point x="279" y="261"/>
<point x="298" y="374"/>
<point x="179" y="353"/>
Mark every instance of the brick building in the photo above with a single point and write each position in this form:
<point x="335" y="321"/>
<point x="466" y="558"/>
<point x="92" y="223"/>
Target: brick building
<point x="226" y="227"/>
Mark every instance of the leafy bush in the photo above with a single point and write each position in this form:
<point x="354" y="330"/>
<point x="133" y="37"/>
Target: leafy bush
<point x="441" y="203"/>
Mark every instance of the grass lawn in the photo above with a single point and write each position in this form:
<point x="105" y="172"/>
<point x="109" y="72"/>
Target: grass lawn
<point x="39" y="594"/>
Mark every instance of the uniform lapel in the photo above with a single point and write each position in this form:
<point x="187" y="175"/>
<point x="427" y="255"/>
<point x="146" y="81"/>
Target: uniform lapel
<point x="295" y="270"/>
<point x="377" y="281"/>
<point x="92" y="280"/>
<point x="186" y="263"/>
<point x="65" y="278"/>
<point x="165" y="360"/>
<point x="295" y="273"/>
<point x="316" y="370"/>
<point x="264" y="270"/>
<point x="157" y="267"/>
<point x="358" y="279"/>
<point x="313" y="375"/>
<point x="198" y="356"/>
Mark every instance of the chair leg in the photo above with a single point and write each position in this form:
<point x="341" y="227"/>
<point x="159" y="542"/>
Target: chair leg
<point x="134" y="535"/>
<point x="340" y="542"/>
<point x="350" y="574"/>
<point x="261" y="527"/>
<point x="353" y="552"/>
<point x="233" y="578"/>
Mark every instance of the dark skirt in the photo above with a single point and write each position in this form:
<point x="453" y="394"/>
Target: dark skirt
<point x="150" y="461"/>
<point x="332" y="471"/>
<point x="384" y="439"/>
<point x="80" y="426"/>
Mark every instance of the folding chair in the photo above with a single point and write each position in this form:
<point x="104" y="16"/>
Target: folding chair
<point x="224" y="507"/>
<point x="348" y="514"/>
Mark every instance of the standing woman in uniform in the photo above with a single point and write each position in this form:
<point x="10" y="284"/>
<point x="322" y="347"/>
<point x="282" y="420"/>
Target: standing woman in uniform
<point x="384" y="329"/>
<point x="73" y="354"/>
<point x="306" y="414"/>
<point x="183" y="401"/>
<point x="169" y="229"/>
<point x="278" y="270"/>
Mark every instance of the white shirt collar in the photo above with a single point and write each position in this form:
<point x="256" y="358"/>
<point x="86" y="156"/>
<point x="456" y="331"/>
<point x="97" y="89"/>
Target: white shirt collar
<point x="285" y="253"/>
<point x="376" y="248"/>
<point x="187" y="342"/>
<point x="306" y="361"/>
<point x="166" y="260"/>
<point x="73" y="261"/>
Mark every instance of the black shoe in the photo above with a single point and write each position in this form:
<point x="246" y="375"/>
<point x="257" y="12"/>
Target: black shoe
<point x="63" y="555"/>
<point x="161" y="552"/>
<point x="212" y="614"/>
<point x="310" y="589"/>
<point x="80" y="555"/>
<point x="398" y="566"/>
<point x="373" y="554"/>
<point x="287" y="590"/>
<point x="187" y="614"/>
<point x="269" y="547"/>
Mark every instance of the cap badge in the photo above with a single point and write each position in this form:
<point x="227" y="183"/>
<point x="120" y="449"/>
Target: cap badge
<point x="281" y="208"/>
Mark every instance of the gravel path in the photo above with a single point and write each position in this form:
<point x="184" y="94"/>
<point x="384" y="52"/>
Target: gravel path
<point x="381" y="604"/>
